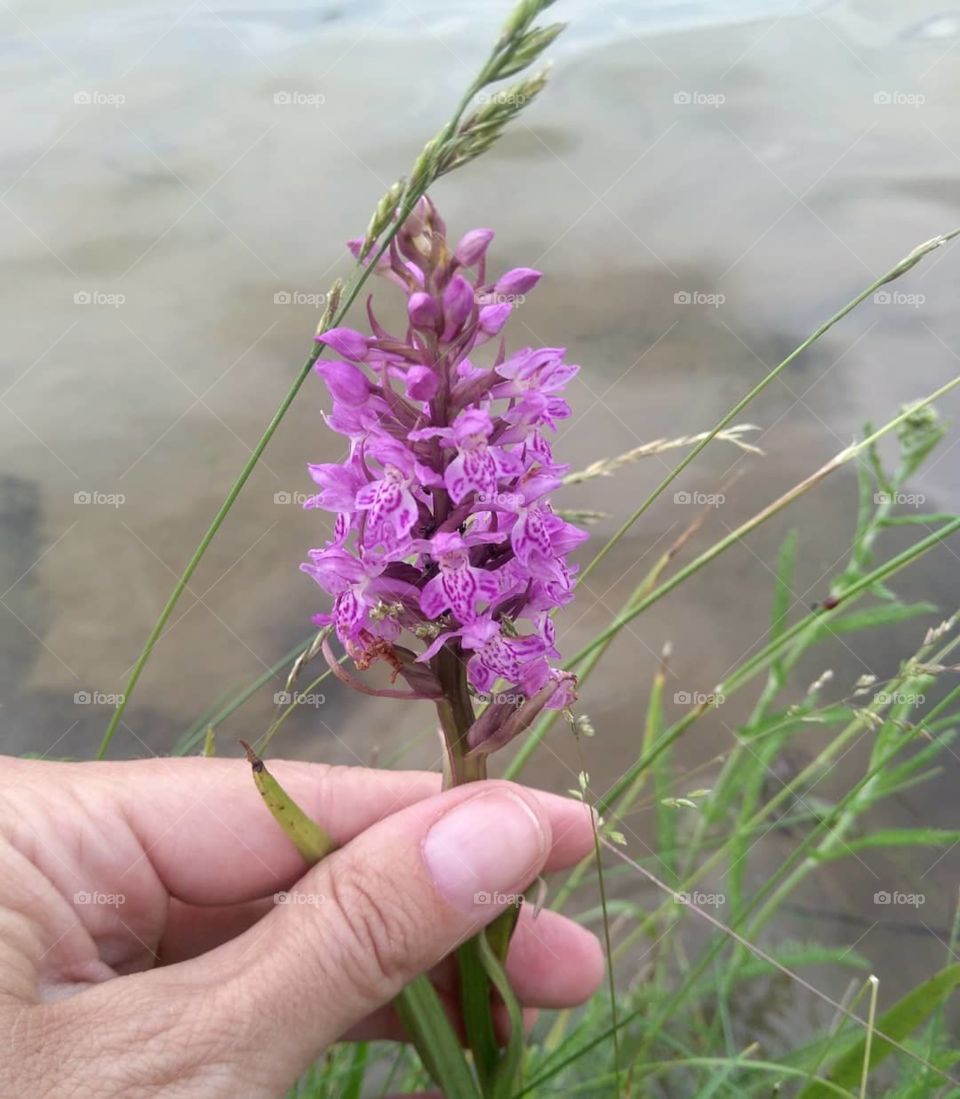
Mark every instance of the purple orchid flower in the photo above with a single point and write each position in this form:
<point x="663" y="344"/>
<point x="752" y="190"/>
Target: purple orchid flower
<point x="444" y="527"/>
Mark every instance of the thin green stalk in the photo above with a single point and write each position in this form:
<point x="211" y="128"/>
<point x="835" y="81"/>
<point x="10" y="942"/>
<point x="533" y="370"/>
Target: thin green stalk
<point x="741" y="675"/>
<point x="756" y="520"/>
<point x="895" y="272"/>
<point x="231" y="701"/>
<point x="514" y="51"/>
<point x="755" y="664"/>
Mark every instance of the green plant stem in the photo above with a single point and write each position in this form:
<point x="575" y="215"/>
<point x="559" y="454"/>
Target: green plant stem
<point x="895" y="272"/>
<point x="478" y="961"/>
<point x="231" y="701"/>
<point x="759" y="518"/>
<point x="413" y="191"/>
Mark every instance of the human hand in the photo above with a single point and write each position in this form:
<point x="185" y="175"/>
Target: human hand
<point x="142" y="950"/>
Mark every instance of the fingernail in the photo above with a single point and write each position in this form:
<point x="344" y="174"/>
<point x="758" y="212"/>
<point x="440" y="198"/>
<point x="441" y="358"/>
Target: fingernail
<point x="485" y="851"/>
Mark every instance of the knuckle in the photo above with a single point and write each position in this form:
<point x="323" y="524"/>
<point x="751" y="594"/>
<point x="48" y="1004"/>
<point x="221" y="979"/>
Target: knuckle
<point x="375" y="931"/>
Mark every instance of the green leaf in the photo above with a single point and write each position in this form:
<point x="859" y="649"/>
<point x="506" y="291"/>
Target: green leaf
<point x="425" y="1020"/>
<point x="418" y="1006"/>
<point x="899" y="837"/>
<point x="793" y="955"/>
<point x="929" y="519"/>
<point x="312" y="841"/>
<point x="475" y="1004"/>
<point x="508" y="1067"/>
<point x="353" y="1082"/>
<point x="898" y="1023"/>
<point x="886" y="614"/>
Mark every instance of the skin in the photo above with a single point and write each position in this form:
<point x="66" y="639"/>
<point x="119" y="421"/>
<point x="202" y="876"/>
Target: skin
<point x="142" y="951"/>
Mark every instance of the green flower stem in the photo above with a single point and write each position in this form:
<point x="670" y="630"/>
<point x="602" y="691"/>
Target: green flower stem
<point x="480" y="959"/>
<point x="513" y="52"/>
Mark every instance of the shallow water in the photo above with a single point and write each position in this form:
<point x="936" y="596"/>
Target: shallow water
<point x="767" y="160"/>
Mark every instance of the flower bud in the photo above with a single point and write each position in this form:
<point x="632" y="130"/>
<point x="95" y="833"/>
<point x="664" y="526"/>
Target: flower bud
<point x="517" y="281"/>
<point x="346" y="342"/>
<point x="421" y="383"/>
<point x="473" y="246"/>
<point x="494" y="317"/>
<point x="423" y="310"/>
<point x="457" y="304"/>
<point x="345" y="381"/>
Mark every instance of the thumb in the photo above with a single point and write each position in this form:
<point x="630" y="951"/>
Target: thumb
<point x="370" y="917"/>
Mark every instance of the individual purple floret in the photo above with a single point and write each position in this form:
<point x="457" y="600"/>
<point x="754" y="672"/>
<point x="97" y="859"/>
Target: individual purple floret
<point x="444" y="525"/>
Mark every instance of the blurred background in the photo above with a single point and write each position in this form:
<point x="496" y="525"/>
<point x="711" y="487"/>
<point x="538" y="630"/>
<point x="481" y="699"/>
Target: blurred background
<point x="702" y="184"/>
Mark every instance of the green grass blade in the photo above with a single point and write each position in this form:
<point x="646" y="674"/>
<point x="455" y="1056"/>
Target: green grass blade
<point x="898" y="1023"/>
